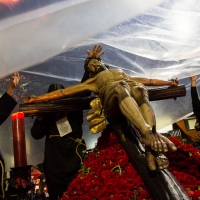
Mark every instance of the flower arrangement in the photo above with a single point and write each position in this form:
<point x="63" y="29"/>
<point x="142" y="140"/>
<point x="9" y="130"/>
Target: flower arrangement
<point x="107" y="173"/>
<point x="185" y="166"/>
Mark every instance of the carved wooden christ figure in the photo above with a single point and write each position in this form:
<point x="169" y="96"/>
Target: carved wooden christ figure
<point x="120" y="94"/>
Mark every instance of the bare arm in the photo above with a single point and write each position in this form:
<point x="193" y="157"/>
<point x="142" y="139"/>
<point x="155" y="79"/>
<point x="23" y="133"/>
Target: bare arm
<point x="88" y="85"/>
<point x="155" y="82"/>
<point x="13" y="84"/>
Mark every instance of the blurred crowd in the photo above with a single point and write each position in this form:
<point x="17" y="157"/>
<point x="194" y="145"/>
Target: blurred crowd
<point x="38" y="189"/>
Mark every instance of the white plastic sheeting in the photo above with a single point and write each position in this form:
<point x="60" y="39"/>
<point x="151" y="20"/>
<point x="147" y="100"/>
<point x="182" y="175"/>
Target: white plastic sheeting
<point x="46" y="40"/>
<point x="36" y="36"/>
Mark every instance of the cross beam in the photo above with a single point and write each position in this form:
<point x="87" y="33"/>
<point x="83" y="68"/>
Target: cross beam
<point x="83" y="103"/>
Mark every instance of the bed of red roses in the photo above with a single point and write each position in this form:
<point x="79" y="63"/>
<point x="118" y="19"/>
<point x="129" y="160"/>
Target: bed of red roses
<point x="107" y="173"/>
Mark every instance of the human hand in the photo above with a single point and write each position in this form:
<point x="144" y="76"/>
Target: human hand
<point x="96" y="52"/>
<point x="193" y="78"/>
<point x="15" y="80"/>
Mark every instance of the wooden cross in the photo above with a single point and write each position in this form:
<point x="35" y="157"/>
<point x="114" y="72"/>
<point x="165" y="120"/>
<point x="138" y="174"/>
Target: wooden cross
<point x="83" y="103"/>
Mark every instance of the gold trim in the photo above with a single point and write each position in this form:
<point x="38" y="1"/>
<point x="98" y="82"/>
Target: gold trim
<point x="96" y="116"/>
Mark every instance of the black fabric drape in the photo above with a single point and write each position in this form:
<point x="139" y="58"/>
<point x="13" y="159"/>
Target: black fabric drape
<point x="61" y="157"/>
<point x="195" y="102"/>
<point x="7" y="104"/>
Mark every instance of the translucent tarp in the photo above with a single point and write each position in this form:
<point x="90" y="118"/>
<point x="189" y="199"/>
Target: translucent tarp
<point x="46" y="40"/>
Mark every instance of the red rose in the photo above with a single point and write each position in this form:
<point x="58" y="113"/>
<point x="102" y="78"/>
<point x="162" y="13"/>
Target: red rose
<point x="190" y="193"/>
<point x="196" y="195"/>
<point x="109" y="175"/>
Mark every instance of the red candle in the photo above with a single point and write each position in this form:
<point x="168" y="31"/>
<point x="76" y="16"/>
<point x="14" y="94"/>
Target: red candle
<point x="19" y="144"/>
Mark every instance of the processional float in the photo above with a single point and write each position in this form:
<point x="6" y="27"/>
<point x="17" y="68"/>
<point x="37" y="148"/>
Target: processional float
<point x="161" y="184"/>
